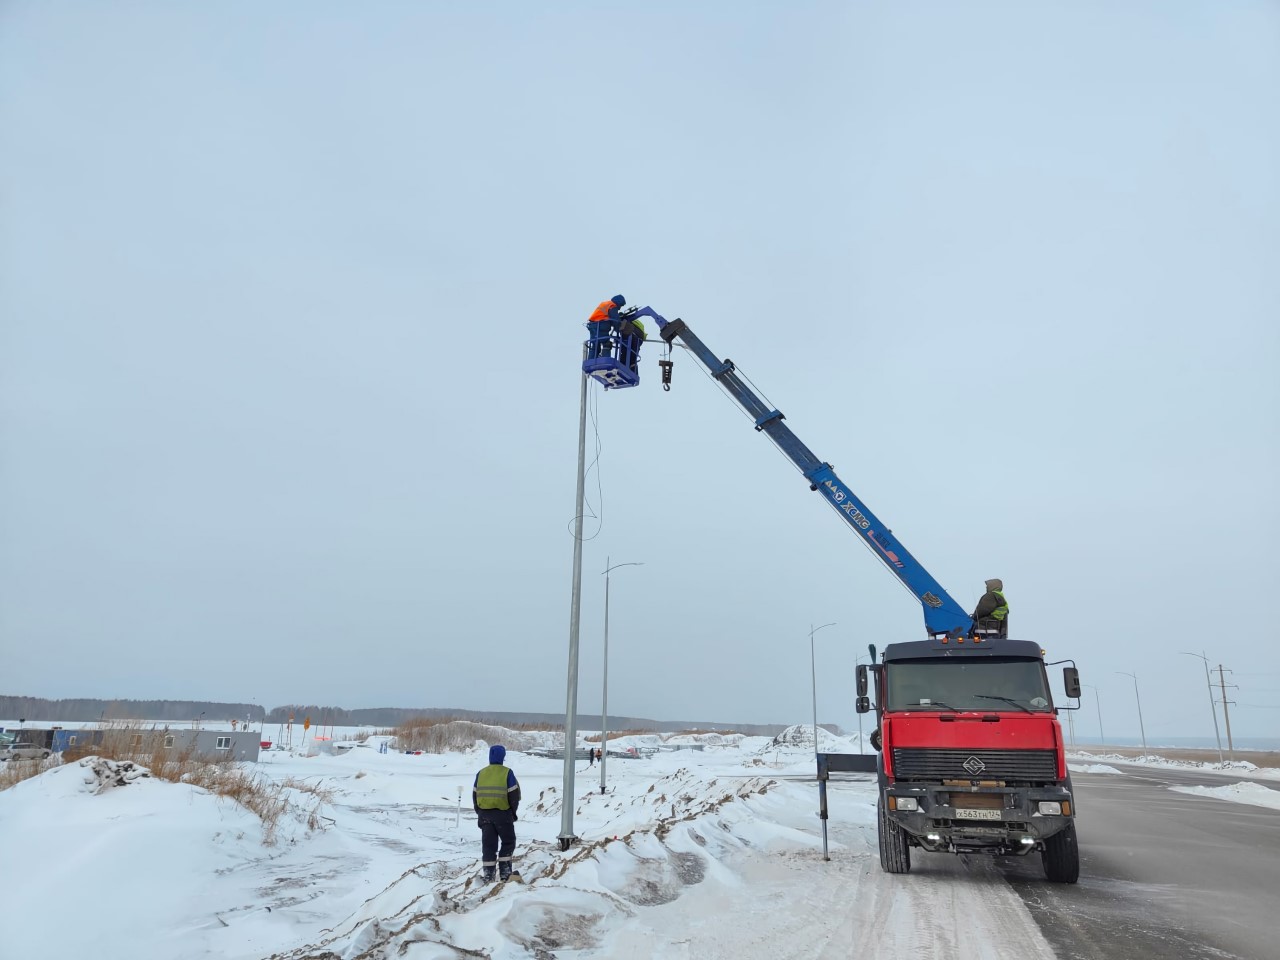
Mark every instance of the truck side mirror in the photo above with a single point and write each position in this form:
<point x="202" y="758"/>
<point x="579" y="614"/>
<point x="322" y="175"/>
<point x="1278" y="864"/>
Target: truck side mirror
<point x="1071" y="680"/>
<point x="863" y="705"/>
<point x="871" y="649"/>
<point x="862" y="683"/>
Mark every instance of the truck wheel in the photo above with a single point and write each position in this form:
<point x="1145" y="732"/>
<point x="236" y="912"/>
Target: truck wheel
<point x="895" y="855"/>
<point x="1061" y="856"/>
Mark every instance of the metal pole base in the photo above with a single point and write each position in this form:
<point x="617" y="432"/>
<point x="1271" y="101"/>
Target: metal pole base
<point x="567" y="842"/>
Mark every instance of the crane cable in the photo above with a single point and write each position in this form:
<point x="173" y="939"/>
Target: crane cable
<point x="728" y="396"/>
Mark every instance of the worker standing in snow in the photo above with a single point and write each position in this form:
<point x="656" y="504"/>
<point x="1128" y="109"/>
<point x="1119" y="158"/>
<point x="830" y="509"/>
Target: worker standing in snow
<point x="993" y="606"/>
<point x="496" y="797"/>
<point x="602" y="322"/>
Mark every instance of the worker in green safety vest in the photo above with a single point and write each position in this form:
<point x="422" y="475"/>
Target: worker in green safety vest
<point x="495" y="796"/>
<point x="993" y="606"/>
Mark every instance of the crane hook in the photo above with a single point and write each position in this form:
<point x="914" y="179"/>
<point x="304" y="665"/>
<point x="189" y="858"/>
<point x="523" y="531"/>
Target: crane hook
<point x="666" y="373"/>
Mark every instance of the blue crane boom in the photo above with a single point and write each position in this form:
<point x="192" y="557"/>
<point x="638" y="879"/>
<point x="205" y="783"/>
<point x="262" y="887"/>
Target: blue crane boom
<point x="942" y="615"/>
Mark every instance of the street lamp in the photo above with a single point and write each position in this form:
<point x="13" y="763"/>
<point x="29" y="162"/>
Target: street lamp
<point x="813" y="667"/>
<point x="1139" y="699"/>
<point x="1098" y="703"/>
<point x="1212" y="708"/>
<point x="604" y="699"/>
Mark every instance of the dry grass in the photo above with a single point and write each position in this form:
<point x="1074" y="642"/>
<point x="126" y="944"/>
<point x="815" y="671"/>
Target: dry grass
<point x="130" y="740"/>
<point x="13" y="772"/>
<point x="441" y="735"/>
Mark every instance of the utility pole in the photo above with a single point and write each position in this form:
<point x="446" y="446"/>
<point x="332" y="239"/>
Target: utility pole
<point x="1141" y="725"/>
<point x="1222" y="684"/>
<point x="575" y="611"/>
<point x="1097" y="702"/>
<point x="1208" y="682"/>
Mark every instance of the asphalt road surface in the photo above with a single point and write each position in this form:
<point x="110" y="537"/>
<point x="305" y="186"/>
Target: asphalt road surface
<point x="1164" y="875"/>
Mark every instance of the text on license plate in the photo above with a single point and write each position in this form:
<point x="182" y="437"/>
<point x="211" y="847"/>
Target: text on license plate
<point x="964" y="814"/>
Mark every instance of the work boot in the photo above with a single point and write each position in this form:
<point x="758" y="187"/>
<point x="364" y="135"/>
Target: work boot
<point x="487" y="876"/>
<point x="504" y="871"/>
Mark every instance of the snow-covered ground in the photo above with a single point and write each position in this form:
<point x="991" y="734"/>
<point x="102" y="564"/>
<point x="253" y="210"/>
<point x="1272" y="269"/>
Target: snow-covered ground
<point x="1225" y="768"/>
<point x="1091" y="768"/>
<point x="1254" y="793"/>
<point x="710" y="853"/>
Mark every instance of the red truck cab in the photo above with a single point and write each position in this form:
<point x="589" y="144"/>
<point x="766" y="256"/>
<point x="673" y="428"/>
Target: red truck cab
<point x="972" y="758"/>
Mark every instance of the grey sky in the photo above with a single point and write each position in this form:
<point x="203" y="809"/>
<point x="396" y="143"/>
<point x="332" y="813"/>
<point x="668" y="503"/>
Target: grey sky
<point x="291" y="300"/>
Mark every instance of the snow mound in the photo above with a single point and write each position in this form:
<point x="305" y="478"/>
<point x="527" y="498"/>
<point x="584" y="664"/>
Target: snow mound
<point x="1254" y="793"/>
<point x="1092" y="768"/>
<point x="1155" y="760"/>
<point x="799" y="739"/>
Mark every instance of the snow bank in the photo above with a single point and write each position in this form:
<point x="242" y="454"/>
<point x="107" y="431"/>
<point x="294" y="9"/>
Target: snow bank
<point x="1091" y="768"/>
<point x="1254" y="793"/>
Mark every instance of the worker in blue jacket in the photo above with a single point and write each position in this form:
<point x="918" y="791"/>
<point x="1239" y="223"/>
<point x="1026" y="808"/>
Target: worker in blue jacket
<point x="496" y="797"/>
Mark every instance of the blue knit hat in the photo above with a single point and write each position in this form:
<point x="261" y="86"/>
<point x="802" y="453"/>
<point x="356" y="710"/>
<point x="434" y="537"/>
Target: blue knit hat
<point x="620" y="300"/>
<point x="497" y="753"/>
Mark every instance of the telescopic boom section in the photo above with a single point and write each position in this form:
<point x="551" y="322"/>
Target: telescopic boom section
<point x="942" y="615"/>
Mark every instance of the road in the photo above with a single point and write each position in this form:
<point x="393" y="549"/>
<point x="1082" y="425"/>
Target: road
<point x="1163" y="874"/>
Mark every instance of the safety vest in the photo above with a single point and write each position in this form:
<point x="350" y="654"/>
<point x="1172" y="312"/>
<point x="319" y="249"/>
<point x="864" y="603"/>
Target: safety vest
<point x="1002" y="611"/>
<point x="491" y="788"/>
<point x="602" y="312"/>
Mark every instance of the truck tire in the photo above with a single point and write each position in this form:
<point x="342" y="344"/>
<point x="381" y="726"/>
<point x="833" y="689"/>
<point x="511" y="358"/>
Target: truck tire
<point x="895" y="855"/>
<point x="1061" y="856"/>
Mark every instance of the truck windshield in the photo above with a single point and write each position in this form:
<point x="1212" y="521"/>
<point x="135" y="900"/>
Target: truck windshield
<point x="986" y="685"/>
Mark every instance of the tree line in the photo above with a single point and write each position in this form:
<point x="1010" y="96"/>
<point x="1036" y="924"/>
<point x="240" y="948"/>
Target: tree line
<point x="40" y="710"/>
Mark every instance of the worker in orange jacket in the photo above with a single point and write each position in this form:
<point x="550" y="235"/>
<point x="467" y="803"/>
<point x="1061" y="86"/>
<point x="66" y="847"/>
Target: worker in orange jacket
<point x="602" y="322"/>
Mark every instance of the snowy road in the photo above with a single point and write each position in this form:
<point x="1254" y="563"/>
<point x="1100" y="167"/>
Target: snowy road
<point x="792" y="904"/>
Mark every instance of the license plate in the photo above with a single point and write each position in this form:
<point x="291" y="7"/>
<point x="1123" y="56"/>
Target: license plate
<point x="965" y="814"/>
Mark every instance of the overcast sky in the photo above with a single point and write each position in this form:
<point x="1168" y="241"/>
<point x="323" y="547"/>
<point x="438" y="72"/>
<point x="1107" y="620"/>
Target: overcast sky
<point x="291" y="303"/>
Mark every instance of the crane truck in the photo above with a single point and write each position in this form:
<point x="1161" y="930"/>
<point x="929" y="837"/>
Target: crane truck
<point x="970" y="754"/>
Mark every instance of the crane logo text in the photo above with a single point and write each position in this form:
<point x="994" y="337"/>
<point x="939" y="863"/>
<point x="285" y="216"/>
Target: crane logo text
<point x="839" y="497"/>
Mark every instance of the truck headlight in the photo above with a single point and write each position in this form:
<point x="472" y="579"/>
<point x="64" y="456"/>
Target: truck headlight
<point x="1050" y="808"/>
<point x="908" y="803"/>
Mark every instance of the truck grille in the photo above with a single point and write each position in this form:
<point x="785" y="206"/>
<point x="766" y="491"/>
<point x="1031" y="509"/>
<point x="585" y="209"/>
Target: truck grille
<point x="914" y="763"/>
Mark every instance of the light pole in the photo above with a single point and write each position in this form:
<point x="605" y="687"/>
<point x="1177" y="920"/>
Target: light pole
<point x="1139" y="699"/>
<point x="575" y="610"/>
<point x="813" y="668"/>
<point x="604" y="698"/>
<point x="1097" y="701"/>
<point x="1212" y="708"/>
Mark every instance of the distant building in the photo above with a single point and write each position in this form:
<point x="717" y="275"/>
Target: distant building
<point x="239" y="745"/>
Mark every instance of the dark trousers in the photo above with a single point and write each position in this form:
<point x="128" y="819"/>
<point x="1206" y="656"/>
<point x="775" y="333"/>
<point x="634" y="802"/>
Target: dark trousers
<point x="600" y="345"/>
<point x="497" y="825"/>
<point x="633" y="352"/>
